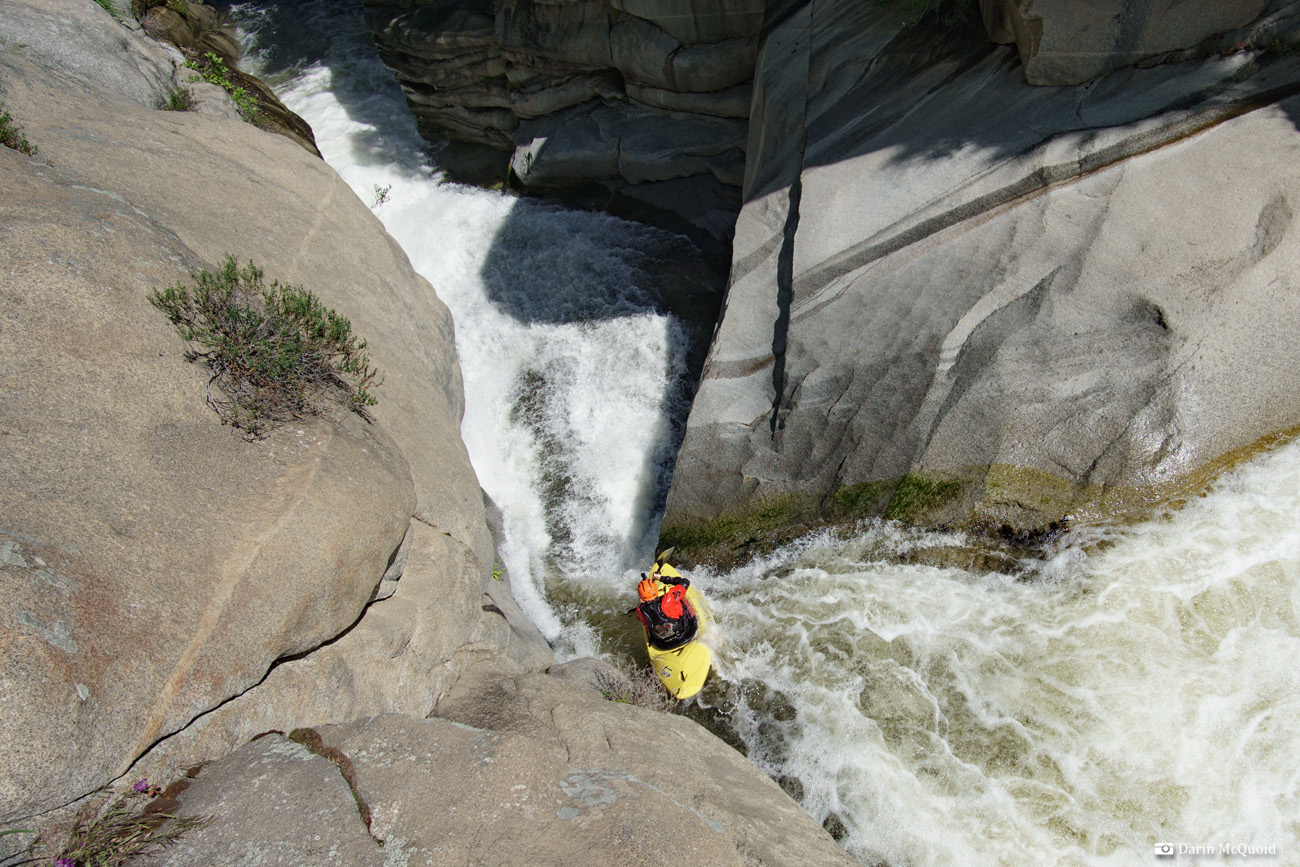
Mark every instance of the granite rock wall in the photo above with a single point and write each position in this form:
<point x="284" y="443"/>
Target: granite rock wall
<point x="959" y="298"/>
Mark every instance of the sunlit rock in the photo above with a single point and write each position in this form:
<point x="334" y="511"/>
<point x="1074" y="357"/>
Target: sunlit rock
<point x="156" y="565"/>
<point x="554" y="770"/>
<point x="1020" y="301"/>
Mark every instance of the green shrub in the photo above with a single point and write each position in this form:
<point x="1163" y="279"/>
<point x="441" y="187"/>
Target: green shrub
<point x="179" y="99"/>
<point x="128" y="827"/>
<point x="111" y="8"/>
<point x="11" y="136"/>
<point x="212" y="69"/>
<point x="275" y="352"/>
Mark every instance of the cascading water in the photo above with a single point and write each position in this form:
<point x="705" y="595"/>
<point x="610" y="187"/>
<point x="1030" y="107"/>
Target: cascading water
<point x="1140" y="687"/>
<point x="574" y="375"/>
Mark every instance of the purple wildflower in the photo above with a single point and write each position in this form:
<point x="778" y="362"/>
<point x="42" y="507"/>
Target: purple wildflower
<point x="141" y="786"/>
<point x="64" y="862"/>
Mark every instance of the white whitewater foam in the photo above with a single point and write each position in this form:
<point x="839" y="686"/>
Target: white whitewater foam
<point x="571" y="375"/>
<point x="1143" y="692"/>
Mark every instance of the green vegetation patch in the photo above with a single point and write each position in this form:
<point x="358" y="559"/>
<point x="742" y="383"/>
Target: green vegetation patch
<point x="111" y="8"/>
<point x="275" y="352"/>
<point x="11" y="136"/>
<point x="919" y="494"/>
<point x="178" y="99"/>
<point x="733" y="537"/>
<point x="212" y="69"/>
<point x="866" y="500"/>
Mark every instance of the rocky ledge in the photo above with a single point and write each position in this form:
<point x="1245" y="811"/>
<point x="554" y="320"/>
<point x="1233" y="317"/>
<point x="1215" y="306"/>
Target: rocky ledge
<point x="511" y="769"/>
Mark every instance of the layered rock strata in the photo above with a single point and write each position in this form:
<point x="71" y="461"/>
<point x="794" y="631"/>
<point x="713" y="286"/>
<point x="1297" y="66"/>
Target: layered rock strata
<point x="958" y="297"/>
<point x="645" y="99"/>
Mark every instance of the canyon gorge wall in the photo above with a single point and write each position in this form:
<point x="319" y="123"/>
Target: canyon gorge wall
<point x="171" y="589"/>
<point x="1003" y="263"/>
<point x="960" y="298"/>
<point x="639" y="106"/>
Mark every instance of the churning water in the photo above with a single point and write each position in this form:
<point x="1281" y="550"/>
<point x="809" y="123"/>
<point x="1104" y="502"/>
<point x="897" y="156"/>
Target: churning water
<point x="1139" y="689"/>
<point x="1144" y="691"/>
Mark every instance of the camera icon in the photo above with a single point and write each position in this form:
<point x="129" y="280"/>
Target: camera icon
<point x="1163" y="850"/>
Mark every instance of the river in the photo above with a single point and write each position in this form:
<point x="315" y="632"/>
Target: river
<point x="1139" y="686"/>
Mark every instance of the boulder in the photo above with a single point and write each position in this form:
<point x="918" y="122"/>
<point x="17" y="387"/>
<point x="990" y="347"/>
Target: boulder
<point x="273" y="802"/>
<point x="519" y="770"/>
<point x="84" y="41"/>
<point x="156" y="563"/>
<point x="400" y="657"/>
<point x="982" y="302"/>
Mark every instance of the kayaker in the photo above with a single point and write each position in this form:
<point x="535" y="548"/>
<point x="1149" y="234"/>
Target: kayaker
<point x="668" y="616"/>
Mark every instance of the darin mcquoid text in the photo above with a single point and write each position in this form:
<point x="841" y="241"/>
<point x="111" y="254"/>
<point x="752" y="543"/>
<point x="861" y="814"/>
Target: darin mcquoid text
<point x="1171" y="850"/>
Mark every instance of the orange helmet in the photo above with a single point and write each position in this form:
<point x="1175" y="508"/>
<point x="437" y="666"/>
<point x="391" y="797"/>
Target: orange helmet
<point x="647" y="589"/>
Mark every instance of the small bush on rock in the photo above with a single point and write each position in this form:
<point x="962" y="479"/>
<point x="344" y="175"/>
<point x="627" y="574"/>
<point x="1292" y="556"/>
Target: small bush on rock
<point x="275" y="352"/>
<point x="11" y="136"/>
<point x="110" y="836"/>
<point x="212" y="69"/>
<point x="178" y="99"/>
<point x="640" y="688"/>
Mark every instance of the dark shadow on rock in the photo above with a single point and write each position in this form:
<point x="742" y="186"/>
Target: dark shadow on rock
<point x="939" y="87"/>
<point x="552" y="264"/>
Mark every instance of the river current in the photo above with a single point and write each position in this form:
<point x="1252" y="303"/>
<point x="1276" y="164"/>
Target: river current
<point x="1138" y="688"/>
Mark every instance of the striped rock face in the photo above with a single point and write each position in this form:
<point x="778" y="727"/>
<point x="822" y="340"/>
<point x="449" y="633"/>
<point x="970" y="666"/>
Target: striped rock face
<point x="956" y="297"/>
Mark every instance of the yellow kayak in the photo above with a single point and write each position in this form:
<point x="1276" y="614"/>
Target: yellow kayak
<point x="684" y="669"/>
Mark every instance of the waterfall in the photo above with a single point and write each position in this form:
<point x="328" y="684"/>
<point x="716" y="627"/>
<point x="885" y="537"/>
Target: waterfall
<point x="574" y="374"/>
<point x="1139" y="687"/>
